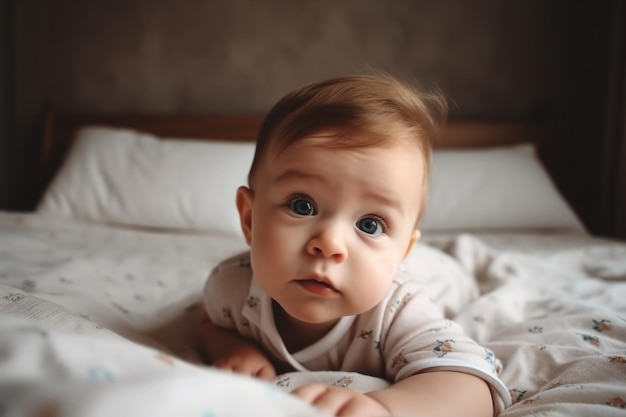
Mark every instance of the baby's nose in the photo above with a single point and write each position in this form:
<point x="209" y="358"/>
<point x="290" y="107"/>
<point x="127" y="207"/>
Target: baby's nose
<point x="329" y="243"/>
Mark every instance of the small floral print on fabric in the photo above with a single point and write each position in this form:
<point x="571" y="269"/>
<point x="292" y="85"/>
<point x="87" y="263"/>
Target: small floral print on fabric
<point x="601" y="325"/>
<point x="399" y="362"/>
<point x="344" y="382"/>
<point x="618" y="402"/>
<point x="529" y="401"/>
<point x="284" y="381"/>
<point x="13" y="297"/>
<point x="490" y="357"/>
<point x="399" y="303"/>
<point x="517" y="395"/>
<point x="445" y="326"/>
<point x="617" y="360"/>
<point x="535" y="329"/>
<point x="226" y="313"/>
<point x="591" y="339"/>
<point x="479" y="318"/>
<point x="365" y="334"/>
<point x="252" y="301"/>
<point x="443" y="347"/>
<point x="29" y="285"/>
<point x="554" y="385"/>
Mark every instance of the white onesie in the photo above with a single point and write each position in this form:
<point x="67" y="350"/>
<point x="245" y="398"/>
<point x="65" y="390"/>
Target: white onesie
<point x="403" y="335"/>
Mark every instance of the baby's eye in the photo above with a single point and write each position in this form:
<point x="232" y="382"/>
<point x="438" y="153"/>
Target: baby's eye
<point x="301" y="206"/>
<point x="371" y="225"/>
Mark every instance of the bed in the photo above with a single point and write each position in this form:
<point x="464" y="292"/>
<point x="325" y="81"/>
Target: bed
<point x="99" y="286"/>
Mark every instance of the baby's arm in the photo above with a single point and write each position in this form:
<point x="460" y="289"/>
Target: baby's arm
<point x="439" y="393"/>
<point x="227" y="350"/>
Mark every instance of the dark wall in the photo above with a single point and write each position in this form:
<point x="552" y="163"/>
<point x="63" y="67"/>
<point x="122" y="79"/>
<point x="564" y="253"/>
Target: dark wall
<point x="5" y="58"/>
<point x="587" y="56"/>
<point x="493" y="59"/>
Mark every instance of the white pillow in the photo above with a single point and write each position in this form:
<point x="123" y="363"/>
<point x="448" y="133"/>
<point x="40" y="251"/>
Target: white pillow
<point x="130" y="178"/>
<point x="494" y="188"/>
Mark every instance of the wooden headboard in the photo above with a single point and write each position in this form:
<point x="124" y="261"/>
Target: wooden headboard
<point x="60" y="129"/>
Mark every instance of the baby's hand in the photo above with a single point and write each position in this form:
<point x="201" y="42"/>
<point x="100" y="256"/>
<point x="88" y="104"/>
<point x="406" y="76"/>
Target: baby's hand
<point x="340" y="401"/>
<point x="247" y="359"/>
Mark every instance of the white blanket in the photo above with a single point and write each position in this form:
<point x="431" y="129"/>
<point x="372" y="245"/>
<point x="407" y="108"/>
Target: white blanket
<point x="96" y="321"/>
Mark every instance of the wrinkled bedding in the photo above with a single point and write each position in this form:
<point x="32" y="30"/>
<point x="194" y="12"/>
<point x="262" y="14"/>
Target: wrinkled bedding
<point x="97" y="321"/>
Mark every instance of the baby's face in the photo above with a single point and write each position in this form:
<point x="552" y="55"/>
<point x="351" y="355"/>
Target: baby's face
<point x="330" y="226"/>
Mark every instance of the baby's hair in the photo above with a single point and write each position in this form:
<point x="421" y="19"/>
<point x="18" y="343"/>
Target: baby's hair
<point x="354" y="111"/>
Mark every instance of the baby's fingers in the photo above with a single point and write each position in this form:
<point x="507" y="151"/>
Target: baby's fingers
<point x="322" y="397"/>
<point x="339" y="401"/>
<point x="255" y="369"/>
<point x="309" y="392"/>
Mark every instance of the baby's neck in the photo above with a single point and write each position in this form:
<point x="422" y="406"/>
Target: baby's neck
<point x="297" y="335"/>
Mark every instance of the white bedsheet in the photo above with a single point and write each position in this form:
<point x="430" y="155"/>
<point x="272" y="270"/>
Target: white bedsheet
<point x="95" y="321"/>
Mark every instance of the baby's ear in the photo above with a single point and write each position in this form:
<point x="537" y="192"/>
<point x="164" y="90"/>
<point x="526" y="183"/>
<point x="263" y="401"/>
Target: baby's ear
<point x="245" y="198"/>
<point x="415" y="236"/>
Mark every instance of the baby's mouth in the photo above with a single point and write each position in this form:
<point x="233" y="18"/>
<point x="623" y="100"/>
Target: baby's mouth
<point x="317" y="286"/>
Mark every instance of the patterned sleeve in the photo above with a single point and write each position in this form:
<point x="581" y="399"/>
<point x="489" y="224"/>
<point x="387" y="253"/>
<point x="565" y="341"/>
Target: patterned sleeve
<point x="226" y="290"/>
<point x="420" y="338"/>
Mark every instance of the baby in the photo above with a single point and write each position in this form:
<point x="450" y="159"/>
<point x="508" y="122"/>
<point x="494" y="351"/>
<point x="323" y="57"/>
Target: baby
<point x="336" y="189"/>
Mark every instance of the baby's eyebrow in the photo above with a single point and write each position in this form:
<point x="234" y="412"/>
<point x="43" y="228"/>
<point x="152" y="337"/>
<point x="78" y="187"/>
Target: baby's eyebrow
<point x="296" y="174"/>
<point x="387" y="201"/>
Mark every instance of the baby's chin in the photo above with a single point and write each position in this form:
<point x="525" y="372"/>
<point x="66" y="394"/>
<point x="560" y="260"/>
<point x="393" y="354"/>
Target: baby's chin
<point x="307" y="317"/>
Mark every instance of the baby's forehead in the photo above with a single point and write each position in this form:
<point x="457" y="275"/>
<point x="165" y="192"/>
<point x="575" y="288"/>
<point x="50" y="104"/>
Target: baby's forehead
<point x="313" y="153"/>
<point x="352" y="139"/>
<point x="275" y="147"/>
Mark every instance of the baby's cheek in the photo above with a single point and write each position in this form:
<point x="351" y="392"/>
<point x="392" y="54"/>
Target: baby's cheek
<point x="386" y="268"/>
<point x="389" y="265"/>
